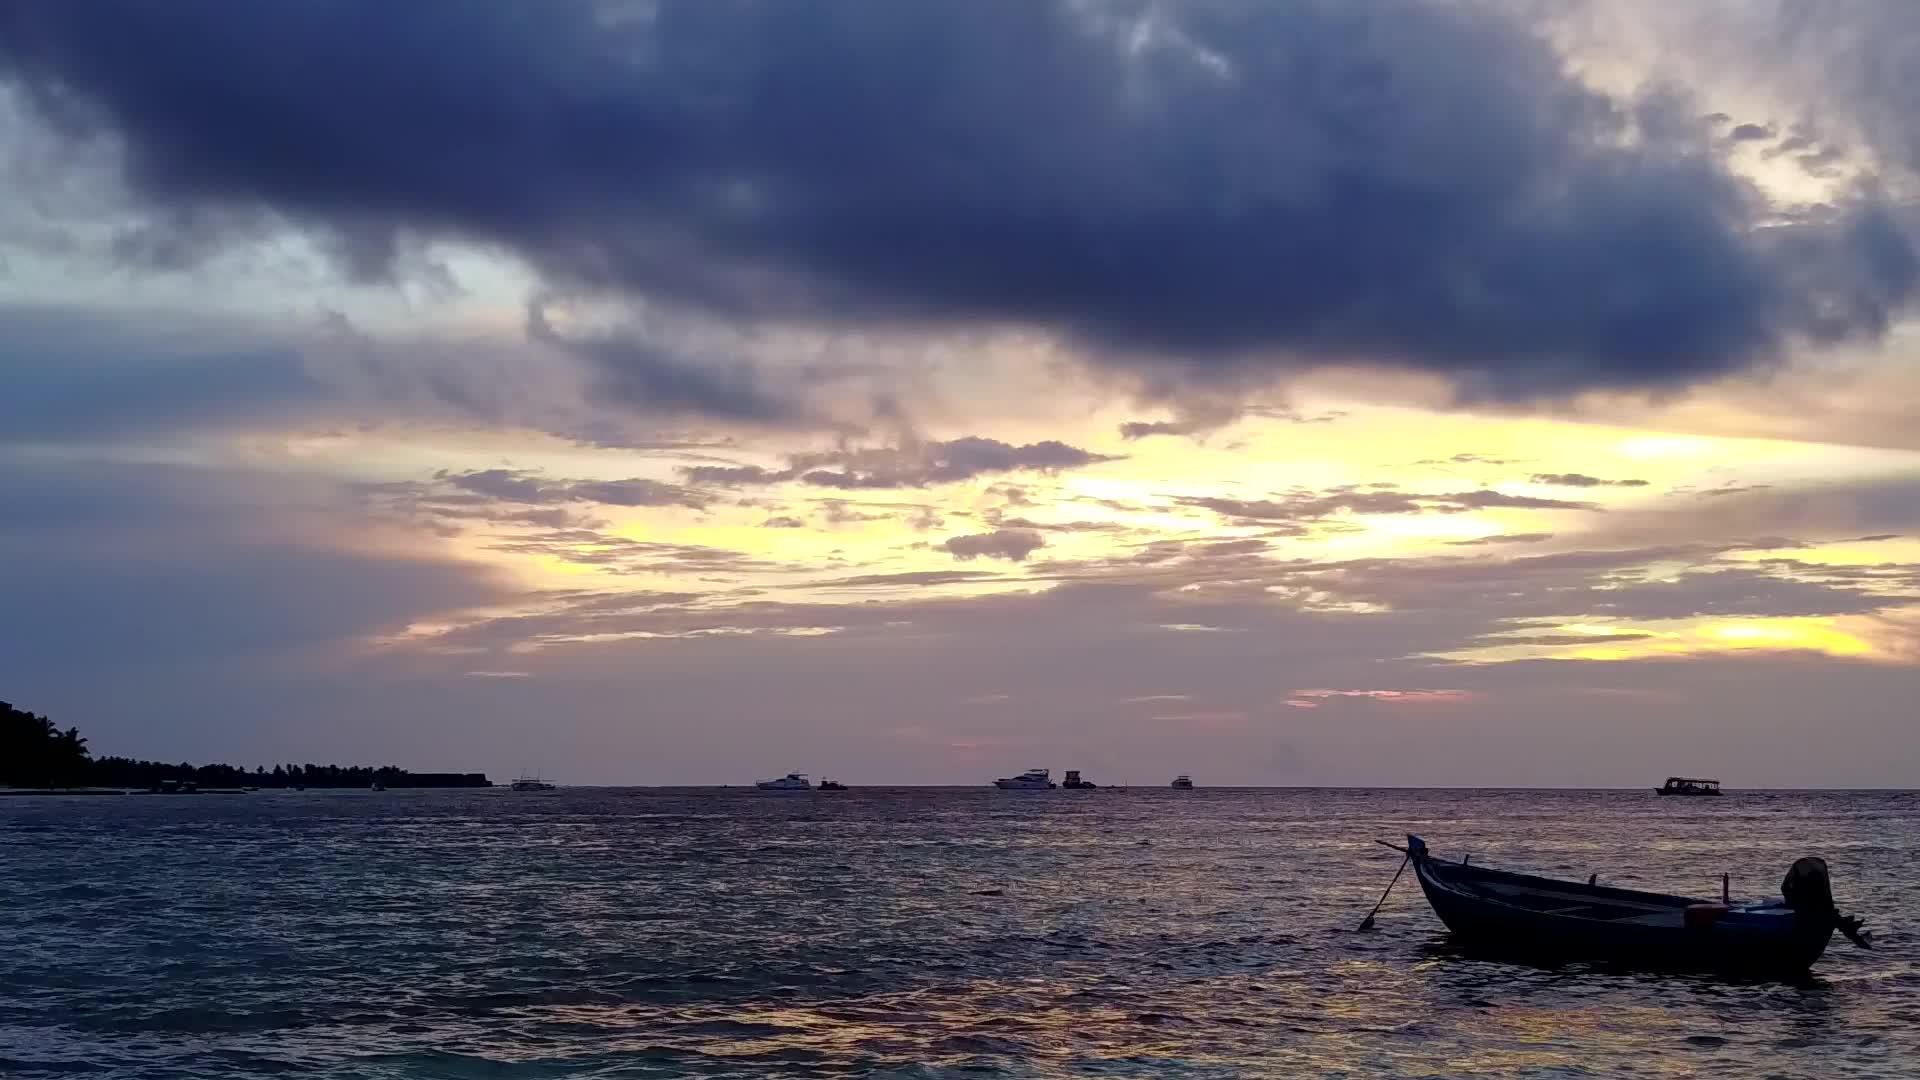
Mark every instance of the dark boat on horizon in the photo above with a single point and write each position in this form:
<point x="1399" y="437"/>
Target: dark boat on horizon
<point x="1688" y="785"/>
<point x="1541" y="920"/>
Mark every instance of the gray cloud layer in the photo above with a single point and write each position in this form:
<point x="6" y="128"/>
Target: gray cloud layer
<point x="522" y="487"/>
<point x="1299" y="507"/>
<point x="1013" y="545"/>
<point x="912" y="465"/>
<point x="1582" y="480"/>
<point x="136" y="565"/>
<point x="1236" y="185"/>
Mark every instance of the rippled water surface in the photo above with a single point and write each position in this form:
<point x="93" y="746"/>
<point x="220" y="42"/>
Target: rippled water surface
<point x="914" y="933"/>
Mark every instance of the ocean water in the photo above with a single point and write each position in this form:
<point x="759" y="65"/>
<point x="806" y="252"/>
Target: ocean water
<point x="913" y="933"/>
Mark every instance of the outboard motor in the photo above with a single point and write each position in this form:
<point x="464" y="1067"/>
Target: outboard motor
<point x="1809" y="892"/>
<point x="1807" y="888"/>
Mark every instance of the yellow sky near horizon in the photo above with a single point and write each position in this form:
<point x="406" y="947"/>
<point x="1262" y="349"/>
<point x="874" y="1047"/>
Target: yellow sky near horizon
<point x="1101" y="521"/>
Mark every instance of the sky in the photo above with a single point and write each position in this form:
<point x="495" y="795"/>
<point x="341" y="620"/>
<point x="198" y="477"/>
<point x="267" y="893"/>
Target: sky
<point x="1399" y="393"/>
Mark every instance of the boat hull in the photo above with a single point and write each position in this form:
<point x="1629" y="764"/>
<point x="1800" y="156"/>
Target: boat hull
<point x="1774" y="943"/>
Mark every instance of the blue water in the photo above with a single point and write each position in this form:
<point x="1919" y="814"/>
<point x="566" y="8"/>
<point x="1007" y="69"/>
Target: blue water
<point x="912" y="933"/>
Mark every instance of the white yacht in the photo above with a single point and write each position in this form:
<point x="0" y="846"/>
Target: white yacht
<point x="793" y="781"/>
<point x="1031" y="780"/>
<point x="523" y="782"/>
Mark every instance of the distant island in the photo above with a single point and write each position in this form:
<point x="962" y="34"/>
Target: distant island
<point x="36" y="754"/>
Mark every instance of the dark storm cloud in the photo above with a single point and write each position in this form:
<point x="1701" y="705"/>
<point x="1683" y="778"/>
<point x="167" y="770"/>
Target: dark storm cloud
<point x="915" y="465"/>
<point x="1238" y="185"/>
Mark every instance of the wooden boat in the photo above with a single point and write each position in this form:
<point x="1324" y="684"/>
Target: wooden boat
<point x="1542" y="920"/>
<point x="1688" y="785"/>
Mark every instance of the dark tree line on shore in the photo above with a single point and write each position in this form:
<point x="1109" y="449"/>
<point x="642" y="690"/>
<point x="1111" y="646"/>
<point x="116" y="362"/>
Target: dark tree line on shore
<point x="35" y="753"/>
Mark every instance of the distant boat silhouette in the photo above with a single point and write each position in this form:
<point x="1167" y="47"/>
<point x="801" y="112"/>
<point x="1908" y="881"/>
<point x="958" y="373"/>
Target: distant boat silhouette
<point x="1031" y="780"/>
<point x="1688" y="785"/>
<point x="1182" y="782"/>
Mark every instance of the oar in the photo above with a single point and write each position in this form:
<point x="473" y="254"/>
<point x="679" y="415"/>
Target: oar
<point x="1367" y="923"/>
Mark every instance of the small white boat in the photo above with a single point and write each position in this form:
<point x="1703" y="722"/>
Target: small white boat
<point x="1183" y="782"/>
<point x="523" y="782"/>
<point x="1031" y="780"/>
<point x="793" y="781"/>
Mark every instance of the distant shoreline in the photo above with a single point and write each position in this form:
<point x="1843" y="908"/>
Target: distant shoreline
<point x="741" y="789"/>
<point x="22" y="792"/>
<point x="37" y="757"/>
